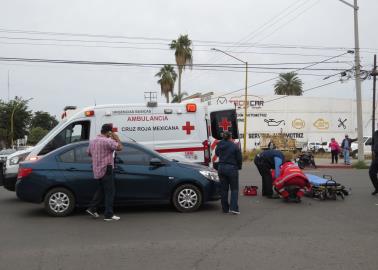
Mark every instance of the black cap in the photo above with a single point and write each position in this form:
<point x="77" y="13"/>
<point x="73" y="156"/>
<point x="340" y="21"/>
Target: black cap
<point x="226" y="135"/>
<point x="106" y="128"/>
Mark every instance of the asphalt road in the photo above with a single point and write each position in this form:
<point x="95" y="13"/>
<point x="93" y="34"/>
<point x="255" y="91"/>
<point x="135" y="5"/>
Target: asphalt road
<point x="269" y="234"/>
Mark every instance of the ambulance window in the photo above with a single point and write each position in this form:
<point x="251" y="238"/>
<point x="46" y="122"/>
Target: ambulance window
<point x="224" y="121"/>
<point x="75" y="132"/>
<point x="133" y="156"/>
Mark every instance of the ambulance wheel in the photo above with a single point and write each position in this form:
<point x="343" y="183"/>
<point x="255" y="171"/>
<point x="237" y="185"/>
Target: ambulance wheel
<point x="187" y="198"/>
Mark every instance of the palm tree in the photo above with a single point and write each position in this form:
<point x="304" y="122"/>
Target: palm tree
<point x="167" y="80"/>
<point x="288" y="84"/>
<point x="176" y="98"/>
<point x="184" y="57"/>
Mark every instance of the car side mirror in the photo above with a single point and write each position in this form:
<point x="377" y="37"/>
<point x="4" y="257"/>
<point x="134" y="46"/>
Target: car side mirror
<point x="156" y="162"/>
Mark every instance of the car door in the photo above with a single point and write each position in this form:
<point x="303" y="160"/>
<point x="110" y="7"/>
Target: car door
<point x="136" y="179"/>
<point x="76" y="166"/>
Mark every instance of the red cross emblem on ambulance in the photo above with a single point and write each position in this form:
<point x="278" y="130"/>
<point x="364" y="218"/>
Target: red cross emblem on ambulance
<point x="188" y="128"/>
<point x="224" y="124"/>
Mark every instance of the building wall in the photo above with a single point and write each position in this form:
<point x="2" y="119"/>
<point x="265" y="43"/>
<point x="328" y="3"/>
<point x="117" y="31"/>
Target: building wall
<point x="303" y="118"/>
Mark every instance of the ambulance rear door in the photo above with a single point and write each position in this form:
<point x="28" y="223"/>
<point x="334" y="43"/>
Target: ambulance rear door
<point x="222" y="119"/>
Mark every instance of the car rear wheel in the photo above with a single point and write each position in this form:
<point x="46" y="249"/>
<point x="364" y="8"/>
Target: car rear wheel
<point x="187" y="198"/>
<point x="59" y="202"/>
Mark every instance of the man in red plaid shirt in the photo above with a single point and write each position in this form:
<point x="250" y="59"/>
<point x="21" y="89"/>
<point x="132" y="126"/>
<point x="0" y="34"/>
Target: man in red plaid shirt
<point x="101" y="149"/>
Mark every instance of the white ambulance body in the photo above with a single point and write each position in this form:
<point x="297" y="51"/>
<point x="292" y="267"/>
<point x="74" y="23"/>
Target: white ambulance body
<point x="182" y="131"/>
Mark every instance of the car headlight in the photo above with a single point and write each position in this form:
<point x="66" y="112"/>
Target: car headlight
<point x="17" y="159"/>
<point x="210" y="175"/>
<point x="14" y="160"/>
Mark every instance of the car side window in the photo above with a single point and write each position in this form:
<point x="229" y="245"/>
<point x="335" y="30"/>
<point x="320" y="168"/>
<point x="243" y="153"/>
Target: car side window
<point x="76" y="155"/>
<point x="81" y="155"/>
<point x="133" y="156"/>
<point x="68" y="157"/>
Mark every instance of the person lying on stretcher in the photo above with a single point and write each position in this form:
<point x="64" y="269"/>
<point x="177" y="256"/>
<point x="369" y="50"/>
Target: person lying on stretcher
<point x="291" y="182"/>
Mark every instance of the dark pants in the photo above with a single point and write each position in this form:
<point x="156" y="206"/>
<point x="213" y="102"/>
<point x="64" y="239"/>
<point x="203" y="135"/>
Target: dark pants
<point x="267" y="180"/>
<point x="335" y="156"/>
<point x="105" y="192"/>
<point x="373" y="170"/>
<point x="229" y="179"/>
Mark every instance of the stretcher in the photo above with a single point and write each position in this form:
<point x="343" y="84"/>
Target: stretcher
<point x="325" y="187"/>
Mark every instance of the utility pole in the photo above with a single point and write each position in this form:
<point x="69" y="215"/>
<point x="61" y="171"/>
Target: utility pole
<point x="374" y="74"/>
<point x="358" y="80"/>
<point x="8" y="85"/>
<point x="245" y="97"/>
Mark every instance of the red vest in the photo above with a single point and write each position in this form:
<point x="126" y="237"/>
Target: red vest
<point x="291" y="174"/>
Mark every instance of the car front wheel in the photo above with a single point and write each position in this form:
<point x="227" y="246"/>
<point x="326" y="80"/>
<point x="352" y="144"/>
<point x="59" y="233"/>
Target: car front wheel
<point x="59" y="202"/>
<point x="187" y="198"/>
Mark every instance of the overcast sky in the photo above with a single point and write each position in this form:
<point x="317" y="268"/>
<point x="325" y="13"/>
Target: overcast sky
<point x="232" y="24"/>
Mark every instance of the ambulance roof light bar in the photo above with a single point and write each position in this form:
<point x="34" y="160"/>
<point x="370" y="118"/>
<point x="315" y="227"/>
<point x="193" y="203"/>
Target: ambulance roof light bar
<point x="67" y="108"/>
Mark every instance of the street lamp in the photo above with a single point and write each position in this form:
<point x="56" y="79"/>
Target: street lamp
<point x="358" y="80"/>
<point x="245" y="96"/>
<point x="12" y="120"/>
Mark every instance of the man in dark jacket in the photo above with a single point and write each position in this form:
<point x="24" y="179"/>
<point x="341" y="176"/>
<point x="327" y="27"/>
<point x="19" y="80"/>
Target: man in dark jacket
<point x="266" y="161"/>
<point x="346" y="146"/>
<point x="230" y="161"/>
<point x="373" y="170"/>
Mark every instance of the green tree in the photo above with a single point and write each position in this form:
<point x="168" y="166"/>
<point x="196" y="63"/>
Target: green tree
<point x="43" y="120"/>
<point x="176" y="98"/>
<point x="36" y="134"/>
<point x="15" y="119"/>
<point x="167" y="80"/>
<point x="183" y="55"/>
<point x="289" y="84"/>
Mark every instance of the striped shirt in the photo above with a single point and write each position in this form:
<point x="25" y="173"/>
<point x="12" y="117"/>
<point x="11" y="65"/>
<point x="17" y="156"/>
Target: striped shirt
<point x="101" y="150"/>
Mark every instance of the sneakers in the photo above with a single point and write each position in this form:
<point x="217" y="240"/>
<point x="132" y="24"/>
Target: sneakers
<point x="112" y="218"/>
<point x="92" y="213"/>
<point x="234" y="212"/>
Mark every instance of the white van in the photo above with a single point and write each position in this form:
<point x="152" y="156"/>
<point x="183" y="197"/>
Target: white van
<point x="180" y="131"/>
<point x="367" y="142"/>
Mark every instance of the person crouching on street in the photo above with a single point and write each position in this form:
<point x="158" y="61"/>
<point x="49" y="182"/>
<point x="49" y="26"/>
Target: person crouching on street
<point x="265" y="162"/>
<point x="230" y="161"/>
<point x="101" y="149"/>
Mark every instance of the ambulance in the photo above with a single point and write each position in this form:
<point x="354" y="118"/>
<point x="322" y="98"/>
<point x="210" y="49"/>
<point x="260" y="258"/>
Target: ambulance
<point x="183" y="131"/>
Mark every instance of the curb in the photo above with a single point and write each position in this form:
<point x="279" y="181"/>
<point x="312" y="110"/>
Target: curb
<point x="334" y="166"/>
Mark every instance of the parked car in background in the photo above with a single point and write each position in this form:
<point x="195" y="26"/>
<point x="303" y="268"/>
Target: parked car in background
<point x="10" y="168"/>
<point x="3" y="158"/>
<point x="367" y="142"/>
<point x="63" y="180"/>
<point x="317" y="147"/>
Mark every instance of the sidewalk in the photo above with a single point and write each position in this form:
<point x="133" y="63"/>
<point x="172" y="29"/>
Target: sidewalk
<point x="326" y="163"/>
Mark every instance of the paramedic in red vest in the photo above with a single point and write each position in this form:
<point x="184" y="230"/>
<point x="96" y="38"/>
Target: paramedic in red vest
<point x="230" y="161"/>
<point x="266" y="161"/>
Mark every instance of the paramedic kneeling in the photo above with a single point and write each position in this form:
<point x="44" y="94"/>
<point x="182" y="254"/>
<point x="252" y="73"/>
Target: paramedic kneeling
<point x="266" y="161"/>
<point x="230" y="161"/>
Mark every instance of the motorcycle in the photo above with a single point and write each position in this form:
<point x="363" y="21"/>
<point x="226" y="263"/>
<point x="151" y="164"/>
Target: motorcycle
<point x="306" y="160"/>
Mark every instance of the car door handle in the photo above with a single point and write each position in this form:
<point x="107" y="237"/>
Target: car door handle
<point x="71" y="169"/>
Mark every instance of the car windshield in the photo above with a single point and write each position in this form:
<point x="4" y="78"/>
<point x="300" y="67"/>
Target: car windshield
<point x="61" y="123"/>
<point x="148" y="150"/>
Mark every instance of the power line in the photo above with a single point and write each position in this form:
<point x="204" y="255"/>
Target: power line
<point x="304" y="91"/>
<point x="268" y="80"/>
<point x="110" y="63"/>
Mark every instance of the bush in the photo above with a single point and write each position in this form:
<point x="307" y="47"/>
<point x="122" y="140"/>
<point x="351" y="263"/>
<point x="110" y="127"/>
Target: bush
<point x="360" y="165"/>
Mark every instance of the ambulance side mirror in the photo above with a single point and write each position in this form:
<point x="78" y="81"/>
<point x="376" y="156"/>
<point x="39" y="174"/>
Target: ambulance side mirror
<point x="156" y="162"/>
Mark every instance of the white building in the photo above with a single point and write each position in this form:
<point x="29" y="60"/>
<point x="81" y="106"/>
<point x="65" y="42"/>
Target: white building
<point x="307" y="119"/>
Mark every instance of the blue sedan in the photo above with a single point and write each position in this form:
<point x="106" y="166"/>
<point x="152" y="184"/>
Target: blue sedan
<point x="63" y="180"/>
